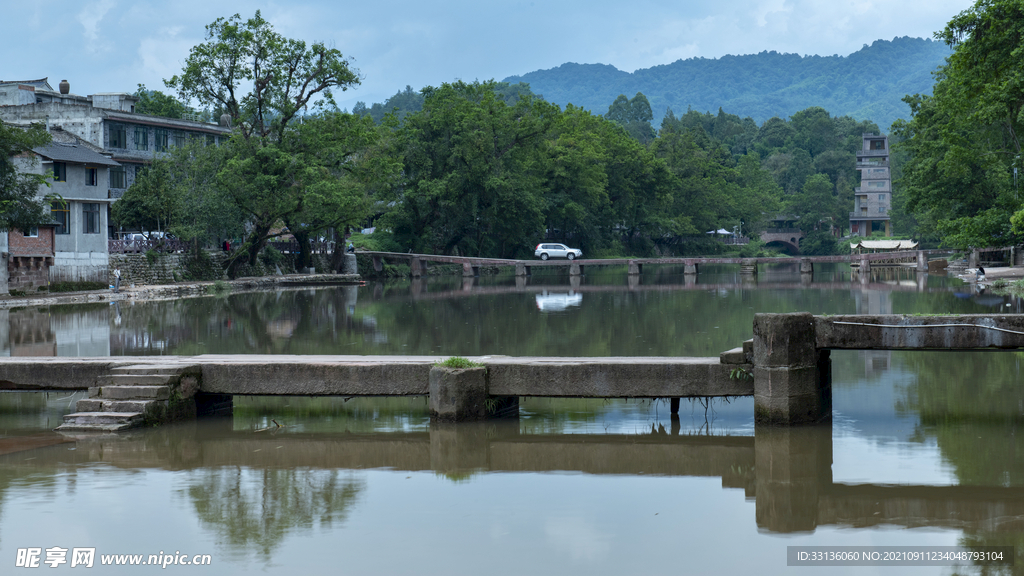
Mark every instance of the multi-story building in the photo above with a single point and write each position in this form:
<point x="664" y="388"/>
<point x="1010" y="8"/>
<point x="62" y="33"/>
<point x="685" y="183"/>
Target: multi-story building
<point x="873" y="198"/>
<point x="74" y="248"/>
<point x="107" y="121"/>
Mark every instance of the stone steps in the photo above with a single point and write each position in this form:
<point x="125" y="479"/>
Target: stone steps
<point x="147" y="407"/>
<point x="130" y="392"/>
<point x="127" y="397"/>
<point x="101" y="421"/>
<point x="137" y="379"/>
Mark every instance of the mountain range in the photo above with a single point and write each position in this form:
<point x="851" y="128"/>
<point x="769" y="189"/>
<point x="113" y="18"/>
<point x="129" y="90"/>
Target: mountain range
<point x="867" y="85"/>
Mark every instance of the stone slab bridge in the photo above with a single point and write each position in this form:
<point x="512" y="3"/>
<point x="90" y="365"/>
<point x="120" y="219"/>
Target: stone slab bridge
<point x="471" y="266"/>
<point x="786" y="367"/>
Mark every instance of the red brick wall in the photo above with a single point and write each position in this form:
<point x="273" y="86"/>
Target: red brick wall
<point x="20" y="245"/>
<point x="28" y="267"/>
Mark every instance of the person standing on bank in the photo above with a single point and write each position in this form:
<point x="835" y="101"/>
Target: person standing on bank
<point x="117" y="279"/>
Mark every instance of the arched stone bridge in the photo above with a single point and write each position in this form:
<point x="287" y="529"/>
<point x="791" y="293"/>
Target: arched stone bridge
<point x="789" y="237"/>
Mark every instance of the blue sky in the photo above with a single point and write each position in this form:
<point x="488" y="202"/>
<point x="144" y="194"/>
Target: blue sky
<point x="113" y="45"/>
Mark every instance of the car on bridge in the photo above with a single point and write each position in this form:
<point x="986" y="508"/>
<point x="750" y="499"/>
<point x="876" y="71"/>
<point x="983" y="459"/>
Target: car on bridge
<point x="545" y="251"/>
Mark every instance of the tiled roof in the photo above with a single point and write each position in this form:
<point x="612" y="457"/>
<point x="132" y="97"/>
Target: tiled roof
<point x="76" y="153"/>
<point x="42" y="83"/>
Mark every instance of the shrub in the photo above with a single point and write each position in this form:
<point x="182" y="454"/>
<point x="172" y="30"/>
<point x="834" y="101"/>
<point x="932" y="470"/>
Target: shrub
<point x="75" y="286"/>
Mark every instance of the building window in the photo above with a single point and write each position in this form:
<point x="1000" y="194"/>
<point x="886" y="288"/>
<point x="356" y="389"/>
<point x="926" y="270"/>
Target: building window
<point x="881" y="209"/>
<point x="32" y="233"/>
<point x="211" y="139"/>
<point x="160" y="144"/>
<point x="881" y="196"/>
<point x="139" y="170"/>
<point x="60" y="172"/>
<point x="117" y="177"/>
<point x="90" y="176"/>
<point x="141" y="138"/>
<point x="91" y="218"/>
<point x="180" y="139"/>
<point x="876" y="184"/>
<point x="118" y="136"/>
<point x="62" y="216"/>
<point x="878" y="145"/>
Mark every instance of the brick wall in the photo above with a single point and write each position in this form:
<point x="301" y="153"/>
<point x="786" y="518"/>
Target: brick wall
<point x="28" y="266"/>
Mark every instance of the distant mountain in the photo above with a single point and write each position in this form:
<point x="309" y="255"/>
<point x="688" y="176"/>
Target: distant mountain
<point x="867" y="85"/>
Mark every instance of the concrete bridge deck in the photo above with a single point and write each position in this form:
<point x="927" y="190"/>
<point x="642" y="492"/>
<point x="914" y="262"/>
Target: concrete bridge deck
<point x="786" y="367"/>
<point x="293" y="375"/>
<point x="471" y="265"/>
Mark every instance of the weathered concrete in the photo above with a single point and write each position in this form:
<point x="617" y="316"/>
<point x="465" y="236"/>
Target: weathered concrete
<point x="898" y="332"/>
<point x="654" y="377"/>
<point x="349" y="264"/>
<point x="575" y="269"/>
<point x="690" y="269"/>
<point x="792" y="378"/>
<point x="458" y="394"/>
<point x="806" y="266"/>
<point x="635" y="268"/>
<point x="922" y="261"/>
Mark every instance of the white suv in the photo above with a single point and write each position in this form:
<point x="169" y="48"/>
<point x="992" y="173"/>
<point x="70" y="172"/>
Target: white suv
<point x="545" y="251"/>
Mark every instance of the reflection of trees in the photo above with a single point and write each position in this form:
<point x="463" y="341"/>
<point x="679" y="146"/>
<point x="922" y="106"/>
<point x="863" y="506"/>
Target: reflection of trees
<point x="255" y="509"/>
<point x="971" y="403"/>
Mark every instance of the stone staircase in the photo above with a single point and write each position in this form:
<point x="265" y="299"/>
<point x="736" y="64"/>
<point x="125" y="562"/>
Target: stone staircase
<point x="134" y="396"/>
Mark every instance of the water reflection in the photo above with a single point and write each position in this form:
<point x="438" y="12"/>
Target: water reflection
<point x="604" y="313"/>
<point x="251" y="490"/>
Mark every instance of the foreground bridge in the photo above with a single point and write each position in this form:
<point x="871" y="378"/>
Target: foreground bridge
<point x="786" y="367"/>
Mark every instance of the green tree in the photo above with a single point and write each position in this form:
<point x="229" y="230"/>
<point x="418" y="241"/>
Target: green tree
<point x="963" y="142"/>
<point x="157" y="103"/>
<point x="179" y="193"/>
<point x="278" y="165"/>
<point x="473" y="173"/>
<point x="634" y="115"/>
<point x="20" y="205"/>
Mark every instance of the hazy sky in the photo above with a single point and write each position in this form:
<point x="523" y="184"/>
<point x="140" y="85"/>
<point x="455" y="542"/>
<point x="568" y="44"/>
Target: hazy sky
<point x="113" y="45"/>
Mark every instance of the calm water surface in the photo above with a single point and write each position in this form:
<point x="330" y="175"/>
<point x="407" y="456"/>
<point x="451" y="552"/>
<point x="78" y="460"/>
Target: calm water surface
<point x="922" y="450"/>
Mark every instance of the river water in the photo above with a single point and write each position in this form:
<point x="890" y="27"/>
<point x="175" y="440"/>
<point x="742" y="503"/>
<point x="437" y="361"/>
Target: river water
<point x="922" y="450"/>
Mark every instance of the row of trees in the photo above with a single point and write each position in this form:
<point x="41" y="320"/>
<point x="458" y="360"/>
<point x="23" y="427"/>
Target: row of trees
<point x="483" y="168"/>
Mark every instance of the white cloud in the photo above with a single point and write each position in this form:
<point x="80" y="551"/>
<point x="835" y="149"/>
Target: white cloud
<point x="90" y="18"/>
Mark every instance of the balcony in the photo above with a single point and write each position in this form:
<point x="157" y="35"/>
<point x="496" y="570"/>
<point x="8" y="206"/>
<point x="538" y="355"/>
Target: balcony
<point x="872" y="153"/>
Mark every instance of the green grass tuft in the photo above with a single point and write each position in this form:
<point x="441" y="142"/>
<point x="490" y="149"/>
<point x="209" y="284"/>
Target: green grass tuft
<point x="458" y="362"/>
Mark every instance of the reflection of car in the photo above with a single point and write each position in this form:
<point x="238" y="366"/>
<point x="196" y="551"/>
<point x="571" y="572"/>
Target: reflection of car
<point x="557" y="302"/>
<point x="545" y="251"/>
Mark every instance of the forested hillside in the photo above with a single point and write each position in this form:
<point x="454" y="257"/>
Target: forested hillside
<point x="866" y="85"/>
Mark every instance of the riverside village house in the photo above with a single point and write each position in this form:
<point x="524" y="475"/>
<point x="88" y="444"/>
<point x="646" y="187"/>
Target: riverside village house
<point x="100" y="145"/>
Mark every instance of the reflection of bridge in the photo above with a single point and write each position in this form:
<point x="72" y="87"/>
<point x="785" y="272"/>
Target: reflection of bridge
<point x="787" y="471"/>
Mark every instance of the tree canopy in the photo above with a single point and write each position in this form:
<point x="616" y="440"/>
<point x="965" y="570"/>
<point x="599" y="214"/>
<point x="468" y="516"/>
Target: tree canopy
<point x="963" y="142"/>
<point x="20" y="206"/>
<point x="293" y="159"/>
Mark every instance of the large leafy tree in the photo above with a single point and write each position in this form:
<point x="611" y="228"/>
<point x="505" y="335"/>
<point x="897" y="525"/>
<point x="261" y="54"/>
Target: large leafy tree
<point x="284" y="163"/>
<point x="964" y="141"/>
<point x="20" y="204"/>
<point x="473" y="169"/>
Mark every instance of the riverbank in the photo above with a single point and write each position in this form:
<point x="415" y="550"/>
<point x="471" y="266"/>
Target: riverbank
<point x="151" y="292"/>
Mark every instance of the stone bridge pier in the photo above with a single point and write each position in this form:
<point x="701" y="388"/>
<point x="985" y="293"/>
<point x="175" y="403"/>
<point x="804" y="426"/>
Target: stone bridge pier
<point x="792" y="377"/>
